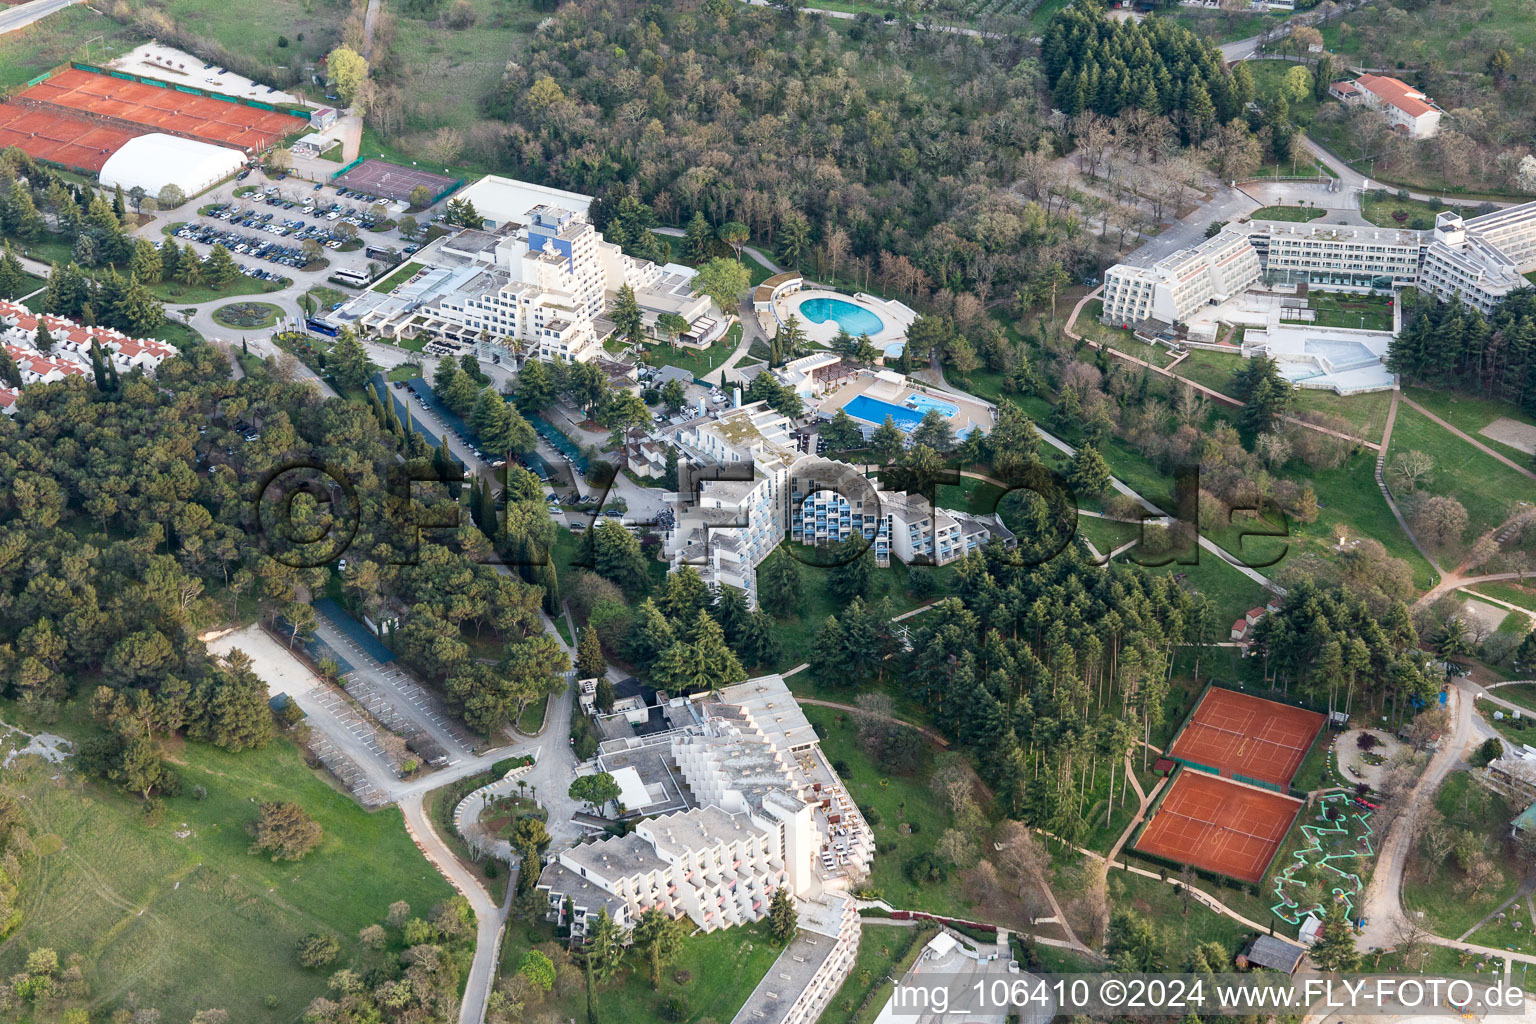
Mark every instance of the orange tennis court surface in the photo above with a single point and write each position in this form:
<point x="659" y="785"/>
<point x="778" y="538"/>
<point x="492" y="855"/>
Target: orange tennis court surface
<point x="1221" y="826"/>
<point x="166" y="110"/>
<point x="64" y="139"/>
<point x="1237" y="734"/>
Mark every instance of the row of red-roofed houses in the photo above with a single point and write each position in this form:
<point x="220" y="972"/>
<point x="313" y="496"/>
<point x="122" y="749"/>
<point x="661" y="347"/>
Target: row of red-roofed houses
<point x="70" y="355"/>
<point x="1241" y="626"/>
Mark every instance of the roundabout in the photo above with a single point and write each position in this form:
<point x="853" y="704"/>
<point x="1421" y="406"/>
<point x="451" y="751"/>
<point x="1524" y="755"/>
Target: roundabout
<point x="247" y="316"/>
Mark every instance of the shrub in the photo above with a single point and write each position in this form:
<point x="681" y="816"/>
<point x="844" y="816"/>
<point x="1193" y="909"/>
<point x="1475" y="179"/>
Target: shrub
<point x="675" y="1008"/>
<point x="318" y="950"/>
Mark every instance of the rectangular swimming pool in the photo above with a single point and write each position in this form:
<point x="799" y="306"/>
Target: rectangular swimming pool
<point x="872" y="410"/>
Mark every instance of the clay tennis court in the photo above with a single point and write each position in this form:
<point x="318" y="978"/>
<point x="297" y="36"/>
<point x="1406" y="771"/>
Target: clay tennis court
<point x="1237" y="734"/>
<point x="165" y="110"/>
<point x="391" y="181"/>
<point x="1221" y="826"/>
<point x="59" y="137"/>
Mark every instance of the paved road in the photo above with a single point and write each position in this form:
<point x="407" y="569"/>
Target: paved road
<point x="489" y="918"/>
<point x="1383" y="908"/>
<point x="1226" y="204"/>
<point x="22" y="15"/>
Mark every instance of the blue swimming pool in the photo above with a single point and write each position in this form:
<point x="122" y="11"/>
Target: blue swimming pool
<point x="922" y="403"/>
<point x="856" y="320"/>
<point x="872" y="410"/>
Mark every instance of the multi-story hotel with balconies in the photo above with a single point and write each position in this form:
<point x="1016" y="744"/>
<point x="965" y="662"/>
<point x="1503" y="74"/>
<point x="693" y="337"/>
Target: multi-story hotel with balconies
<point x="1477" y="261"/>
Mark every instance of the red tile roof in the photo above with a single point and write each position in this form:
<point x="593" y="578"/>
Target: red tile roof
<point x="1396" y="92"/>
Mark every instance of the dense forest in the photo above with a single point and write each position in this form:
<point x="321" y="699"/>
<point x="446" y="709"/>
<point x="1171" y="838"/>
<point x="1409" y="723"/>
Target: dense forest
<point x="1048" y="674"/>
<point x="1451" y="345"/>
<point x="810" y="132"/>
<point x="1156" y="66"/>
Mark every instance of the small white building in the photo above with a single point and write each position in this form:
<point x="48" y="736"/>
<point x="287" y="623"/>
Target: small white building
<point x="1406" y="108"/>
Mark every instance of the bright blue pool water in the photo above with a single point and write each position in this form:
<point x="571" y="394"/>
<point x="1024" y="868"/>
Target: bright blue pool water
<point x="872" y="410"/>
<point x="856" y="320"/>
<point x="922" y="403"/>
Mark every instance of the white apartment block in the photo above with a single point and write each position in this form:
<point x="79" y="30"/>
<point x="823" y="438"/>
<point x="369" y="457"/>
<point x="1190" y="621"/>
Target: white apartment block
<point x="1477" y="261"/>
<point x="1174" y="287"/>
<point x="535" y="289"/>
<point x="1407" y="109"/>
<point x="805" y="977"/>
<point x="726" y="526"/>
<point x="770" y="813"/>
<point x="897" y="524"/>
<point x="757" y="488"/>
<point x="1480" y="261"/>
<point x="1347" y="257"/>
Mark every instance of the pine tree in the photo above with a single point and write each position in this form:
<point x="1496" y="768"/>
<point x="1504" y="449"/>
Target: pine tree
<point x="590" y="663"/>
<point x="782" y="917"/>
<point x="1089" y="473"/>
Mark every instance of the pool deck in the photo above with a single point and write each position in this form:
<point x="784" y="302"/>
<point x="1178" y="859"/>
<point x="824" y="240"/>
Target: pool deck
<point x="895" y="316"/>
<point x="890" y="387"/>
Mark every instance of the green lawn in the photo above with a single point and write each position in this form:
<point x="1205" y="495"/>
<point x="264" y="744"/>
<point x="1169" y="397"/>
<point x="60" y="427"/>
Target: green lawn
<point x="180" y="914"/>
<point x="405" y="371"/>
<point x="1089" y="327"/>
<point x="1485" y="486"/>
<point x="898" y="799"/>
<point x="886" y="952"/>
<point x="1525" y="597"/>
<point x="1359" y="311"/>
<point x="72" y="33"/>
<point x="1186" y="923"/>
<point x="721" y="970"/>
<point x="455" y="69"/>
<point x="1471" y="413"/>
<point x="697" y="361"/>
<point x="1430" y="888"/>
<point x="176" y="293"/>
<point x="322" y="297"/>
<point x="30" y="283"/>
<point x="1288" y="213"/>
<point x="396" y="279"/>
<point x="531" y="721"/>
<point x="237" y="314"/>
<point x="797" y="633"/>
<point x="1393" y="212"/>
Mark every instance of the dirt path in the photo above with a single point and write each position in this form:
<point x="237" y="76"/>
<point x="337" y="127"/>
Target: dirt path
<point x="929" y="733"/>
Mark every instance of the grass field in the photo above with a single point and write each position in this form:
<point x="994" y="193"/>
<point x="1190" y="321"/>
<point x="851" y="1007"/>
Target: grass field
<point x="1525" y="597"/>
<point x="697" y="361"/>
<point x="451" y="71"/>
<point x="1431" y="888"/>
<point x="1361" y="312"/>
<point x="1485" y="486"/>
<point x="396" y="279"/>
<point x="73" y="33"/>
<point x="1403" y="213"/>
<point x="721" y="969"/>
<point x="886" y="952"/>
<point x="898" y="799"/>
<point x="180" y="914"/>
<point x="1287" y="213"/>
<point x="1471" y="413"/>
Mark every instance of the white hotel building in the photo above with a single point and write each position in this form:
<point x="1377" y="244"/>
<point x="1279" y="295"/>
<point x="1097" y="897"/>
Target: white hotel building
<point x="533" y="288"/>
<point x="756" y="488"/>
<point x="770" y="813"/>
<point x="1477" y="261"/>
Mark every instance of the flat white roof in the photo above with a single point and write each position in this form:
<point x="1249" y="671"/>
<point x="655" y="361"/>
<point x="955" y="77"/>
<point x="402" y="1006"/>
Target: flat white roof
<point x="632" y="791"/>
<point x="506" y="200"/>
